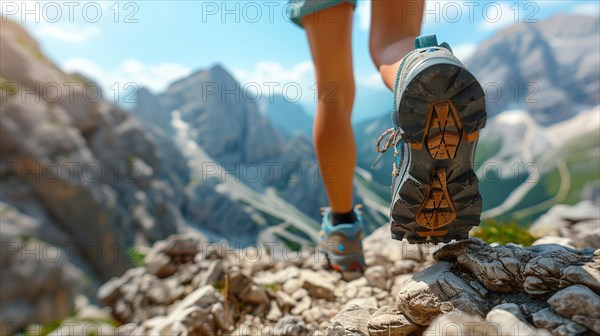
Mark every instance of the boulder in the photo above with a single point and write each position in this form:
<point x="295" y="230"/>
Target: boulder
<point x="437" y="290"/>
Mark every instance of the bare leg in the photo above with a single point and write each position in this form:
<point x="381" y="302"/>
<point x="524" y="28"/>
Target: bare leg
<point x="394" y="26"/>
<point x="331" y="47"/>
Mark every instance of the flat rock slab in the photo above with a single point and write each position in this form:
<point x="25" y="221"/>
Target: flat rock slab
<point x="498" y="268"/>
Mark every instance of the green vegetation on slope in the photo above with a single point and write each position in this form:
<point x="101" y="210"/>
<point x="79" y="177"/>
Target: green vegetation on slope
<point x="503" y="231"/>
<point x="92" y="326"/>
<point x="136" y="256"/>
<point x="487" y="148"/>
<point x="495" y="191"/>
<point x="565" y="172"/>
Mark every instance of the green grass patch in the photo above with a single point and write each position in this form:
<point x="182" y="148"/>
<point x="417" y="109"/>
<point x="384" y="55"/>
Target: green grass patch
<point x="131" y="159"/>
<point x="219" y="285"/>
<point x="503" y="231"/>
<point x="136" y="256"/>
<point x="25" y="238"/>
<point x="273" y="287"/>
<point x="44" y="330"/>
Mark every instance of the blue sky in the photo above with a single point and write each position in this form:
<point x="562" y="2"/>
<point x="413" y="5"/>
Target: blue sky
<point x="152" y="43"/>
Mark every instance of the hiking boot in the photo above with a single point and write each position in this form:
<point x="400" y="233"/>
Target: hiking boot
<point x="342" y="243"/>
<point x="439" y="108"/>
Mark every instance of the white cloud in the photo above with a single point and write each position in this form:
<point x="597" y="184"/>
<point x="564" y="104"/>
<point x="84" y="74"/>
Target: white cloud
<point x="155" y="77"/>
<point x="298" y="80"/>
<point x="464" y="51"/>
<point x="363" y="10"/>
<point x="85" y="67"/>
<point x="71" y="34"/>
<point x="275" y="72"/>
<point x="591" y="9"/>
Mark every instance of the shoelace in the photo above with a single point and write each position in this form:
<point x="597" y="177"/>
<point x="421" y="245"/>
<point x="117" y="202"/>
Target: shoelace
<point x="394" y="136"/>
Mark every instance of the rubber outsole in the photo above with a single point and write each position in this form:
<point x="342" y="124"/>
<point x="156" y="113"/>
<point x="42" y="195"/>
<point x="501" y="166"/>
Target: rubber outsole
<point x="441" y="112"/>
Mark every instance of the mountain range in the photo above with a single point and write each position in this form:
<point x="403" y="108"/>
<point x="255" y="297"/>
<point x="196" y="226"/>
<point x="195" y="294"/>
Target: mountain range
<point x="97" y="183"/>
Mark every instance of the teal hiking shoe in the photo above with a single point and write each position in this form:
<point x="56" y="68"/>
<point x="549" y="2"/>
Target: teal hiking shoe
<point x="342" y="243"/>
<point x="439" y="108"/>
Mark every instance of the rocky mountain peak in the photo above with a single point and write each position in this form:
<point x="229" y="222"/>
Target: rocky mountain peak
<point x="551" y="68"/>
<point x="205" y="84"/>
<point x="225" y="123"/>
<point x="562" y="26"/>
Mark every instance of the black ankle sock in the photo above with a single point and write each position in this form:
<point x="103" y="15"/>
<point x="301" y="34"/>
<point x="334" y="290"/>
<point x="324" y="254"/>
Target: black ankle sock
<point x="343" y="218"/>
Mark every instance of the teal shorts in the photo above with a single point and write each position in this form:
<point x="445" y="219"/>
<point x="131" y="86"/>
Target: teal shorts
<point x="301" y="8"/>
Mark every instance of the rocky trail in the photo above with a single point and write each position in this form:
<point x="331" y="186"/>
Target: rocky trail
<point x="190" y="287"/>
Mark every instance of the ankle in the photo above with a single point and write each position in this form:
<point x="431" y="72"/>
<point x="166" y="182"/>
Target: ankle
<point x="343" y="218"/>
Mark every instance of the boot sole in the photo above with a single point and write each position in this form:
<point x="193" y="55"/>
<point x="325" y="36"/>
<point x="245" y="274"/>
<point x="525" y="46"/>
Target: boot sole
<point x="441" y="112"/>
